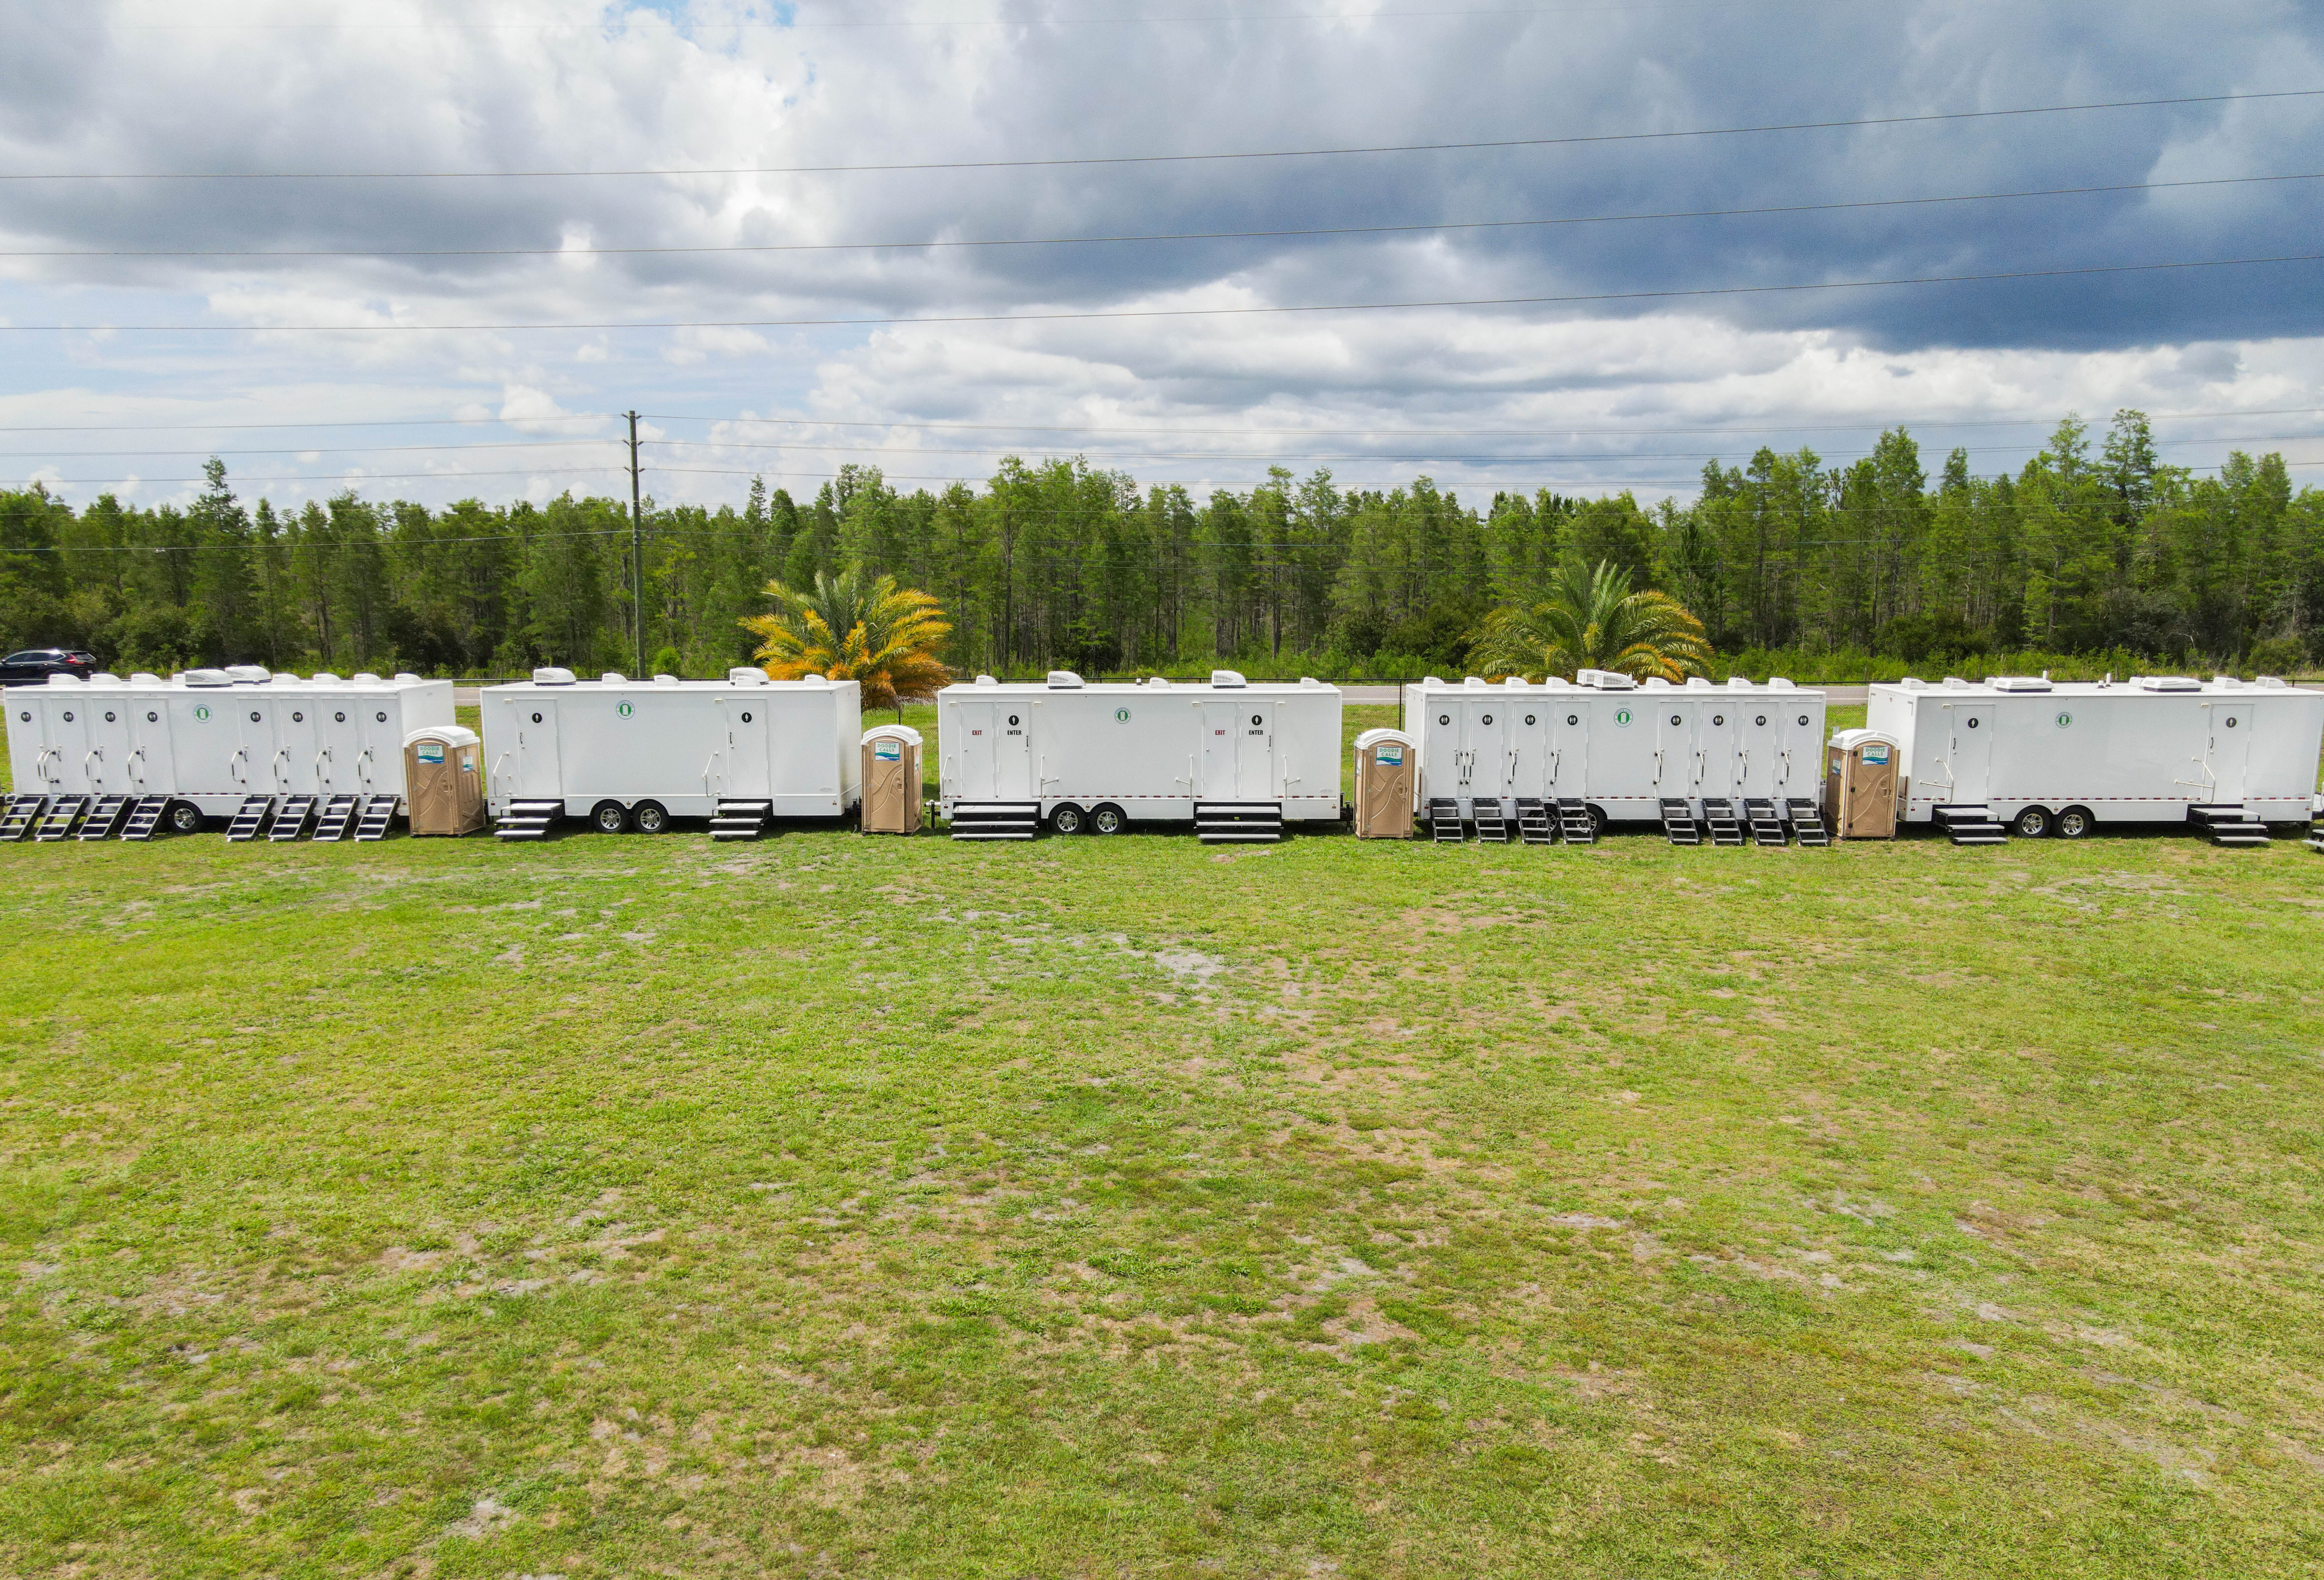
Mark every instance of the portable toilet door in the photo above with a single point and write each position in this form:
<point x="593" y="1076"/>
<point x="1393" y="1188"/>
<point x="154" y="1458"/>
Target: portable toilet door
<point x="1484" y="748"/>
<point x="1384" y="785"/>
<point x="891" y="780"/>
<point x="338" y="752"/>
<point x="110" y="748"/>
<point x="1797" y="750"/>
<point x="64" y="742"/>
<point x="1969" y="752"/>
<point x="153" y="750"/>
<point x="298" y="748"/>
<point x="538" y="776"/>
<point x="2228" y="755"/>
<point x="1674" y="749"/>
<point x="1719" y="746"/>
<point x="744" y="772"/>
<point x="994" y="749"/>
<point x="1568" y="775"/>
<point x="1859" y="793"/>
<point x="1238" y="749"/>
<point x="443" y="781"/>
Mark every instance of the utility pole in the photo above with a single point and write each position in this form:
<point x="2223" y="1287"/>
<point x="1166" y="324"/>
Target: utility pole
<point x="637" y="551"/>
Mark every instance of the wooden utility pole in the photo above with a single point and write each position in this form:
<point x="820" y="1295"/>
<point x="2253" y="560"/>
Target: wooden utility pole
<point x="637" y="552"/>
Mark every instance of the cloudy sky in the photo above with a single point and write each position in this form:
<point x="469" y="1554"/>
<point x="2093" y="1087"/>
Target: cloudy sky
<point x="423" y="248"/>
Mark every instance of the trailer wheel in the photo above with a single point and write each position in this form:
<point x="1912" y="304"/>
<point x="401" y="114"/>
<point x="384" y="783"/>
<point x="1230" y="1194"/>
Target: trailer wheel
<point x="1067" y="819"/>
<point x="1108" y="819"/>
<point x="2074" y="823"/>
<point x="651" y="816"/>
<point x="185" y="818"/>
<point x="2033" y="824"/>
<point x="1598" y="818"/>
<point x="610" y="817"/>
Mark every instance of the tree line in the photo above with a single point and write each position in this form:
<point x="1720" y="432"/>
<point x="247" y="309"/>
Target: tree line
<point x="2093" y="546"/>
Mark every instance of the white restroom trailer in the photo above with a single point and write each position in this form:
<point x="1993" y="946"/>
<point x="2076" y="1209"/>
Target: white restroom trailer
<point x="2037" y="756"/>
<point x="636" y="753"/>
<point x="1539" y="756"/>
<point x="272" y="752"/>
<point x="1238" y="760"/>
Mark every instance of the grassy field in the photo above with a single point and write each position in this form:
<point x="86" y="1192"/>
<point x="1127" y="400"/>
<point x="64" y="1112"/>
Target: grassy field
<point x="1111" y="1208"/>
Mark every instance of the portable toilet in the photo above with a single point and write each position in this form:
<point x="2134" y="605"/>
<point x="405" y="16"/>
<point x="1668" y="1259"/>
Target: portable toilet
<point x="1859" y="785"/>
<point x="443" y="780"/>
<point x="1385" y="784"/>
<point x="891" y="780"/>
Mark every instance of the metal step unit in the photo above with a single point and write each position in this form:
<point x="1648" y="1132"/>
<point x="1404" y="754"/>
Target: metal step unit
<point x="105" y="819"/>
<point x="1533" y="825"/>
<point x="1969" y="825"/>
<point x="528" y="820"/>
<point x="145" y="818"/>
<point x="1444" y="822"/>
<point x="20" y="814"/>
<point x="251" y="818"/>
<point x="1766" y="827"/>
<point x="1575" y="826"/>
<point x="1719" y="817"/>
<point x="378" y="816"/>
<point x="64" y="816"/>
<point x="292" y="820"/>
<point x="1678" y="822"/>
<point x="338" y="817"/>
<point x="741" y="820"/>
<point x="1807" y="821"/>
<point x="1238" y="822"/>
<point x="2228" y="825"/>
<point x="1492" y="824"/>
<point x="996" y="820"/>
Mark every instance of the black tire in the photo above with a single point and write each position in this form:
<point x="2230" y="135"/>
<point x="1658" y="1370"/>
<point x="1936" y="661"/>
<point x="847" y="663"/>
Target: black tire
<point x="610" y="817"/>
<point x="2074" y="823"/>
<point x="1598" y="818"/>
<point x="650" y="817"/>
<point x="2034" y="823"/>
<point x="1067" y="819"/>
<point x="184" y="818"/>
<point x="1107" y="819"/>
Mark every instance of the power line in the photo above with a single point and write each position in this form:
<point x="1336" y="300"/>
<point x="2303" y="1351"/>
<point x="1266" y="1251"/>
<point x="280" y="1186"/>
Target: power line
<point x="1156" y="159"/>
<point x="1243" y="235"/>
<point x="1129" y="313"/>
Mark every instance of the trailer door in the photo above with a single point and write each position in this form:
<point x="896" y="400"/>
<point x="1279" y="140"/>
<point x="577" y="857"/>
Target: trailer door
<point x="254" y="724"/>
<point x="153" y="756"/>
<point x="338" y="751"/>
<point x="538" y="776"/>
<point x="1484" y="748"/>
<point x="742" y="772"/>
<point x="1717" y="740"/>
<point x="298" y="750"/>
<point x="2229" y="752"/>
<point x="64" y="744"/>
<point x="1797" y="768"/>
<point x="1758" y="748"/>
<point x="1568" y="773"/>
<point x="1255" y="774"/>
<point x="1222" y="727"/>
<point x="1969" y="752"/>
<point x="1674" y="749"/>
<point x="109" y="767"/>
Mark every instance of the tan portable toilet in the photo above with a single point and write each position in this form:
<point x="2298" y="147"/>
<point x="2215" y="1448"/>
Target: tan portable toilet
<point x="1384" y="785"/>
<point x="443" y="780"/>
<point x="1859" y="785"/>
<point x="891" y="780"/>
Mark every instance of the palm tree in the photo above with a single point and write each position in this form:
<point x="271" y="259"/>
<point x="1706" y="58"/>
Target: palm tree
<point x="1593" y="620"/>
<point x="846" y="627"/>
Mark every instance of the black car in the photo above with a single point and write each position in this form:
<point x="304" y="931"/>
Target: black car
<point x="33" y="666"/>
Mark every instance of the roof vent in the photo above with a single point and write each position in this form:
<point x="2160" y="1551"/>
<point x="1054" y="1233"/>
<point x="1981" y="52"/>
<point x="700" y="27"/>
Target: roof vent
<point x="1160" y="682"/>
<point x="613" y="677"/>
<point x="365" y="677"/>
<point x="1064" y="680"/>
<point x="1697" y="683"/>
<point x="665" y="680"/>
<point x="1309" y="680"/>
<point x="64" y="680"/>
<point x="325" y="677"/>
<point x="1227" y="677"/>
<point x="1914" y="683"/>
<point x="104" y="677"/>
<point x="986" y="680"/>
<point x="2265" y="682"/>
<point x="1432" y="680"/>
<point x="2167" y="683"/>
<point x="1738" y="683"/>
<point x="405" y="677"/>
<point x="1473" y="682"/>
<point x="1777" y="682"/>
<point x="1656" y="683"/>
<point x="2020" y="683"/>
<point x="1955" y="682"/>
<point x="142" y="678"/>
<point x="745" y="675"/>
<point x="1517" y="681"/>
<point x="544" y="677"/>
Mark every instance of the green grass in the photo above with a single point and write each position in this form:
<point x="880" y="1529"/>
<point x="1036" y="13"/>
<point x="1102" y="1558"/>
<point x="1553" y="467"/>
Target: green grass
<point x="1123" y="1206"/>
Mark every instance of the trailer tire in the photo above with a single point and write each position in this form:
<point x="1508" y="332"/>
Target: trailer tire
<point x="1598" y="818"/>
<point x="650" y="817"/>
<point x="1107" y="819"/>
<point x="184" y="818"/>
<point x="610" y="817"/>
<point x="2074" y="823"/>
<point x="1066" y="818"/>
<point x="2034" y="823"/>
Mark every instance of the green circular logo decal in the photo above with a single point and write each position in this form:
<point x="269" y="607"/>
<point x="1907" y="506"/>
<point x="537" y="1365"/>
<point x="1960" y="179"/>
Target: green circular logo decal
<point x="625" y="710"/>
<point x="2064" y="720"/>
<point x="202" y="712"/>
<point x="1121" y="715"/>
<point x="1622" y="717"/>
